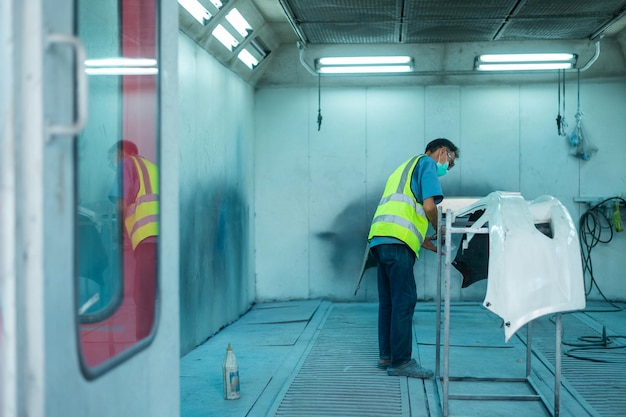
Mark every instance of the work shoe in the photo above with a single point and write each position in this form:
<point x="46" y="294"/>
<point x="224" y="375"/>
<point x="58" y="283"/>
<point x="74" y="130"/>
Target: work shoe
<point x="410" y="369"/>
<point x="384" y="363"/>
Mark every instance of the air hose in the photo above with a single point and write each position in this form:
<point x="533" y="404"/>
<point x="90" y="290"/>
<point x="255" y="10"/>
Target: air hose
<point x="594" y="223"/>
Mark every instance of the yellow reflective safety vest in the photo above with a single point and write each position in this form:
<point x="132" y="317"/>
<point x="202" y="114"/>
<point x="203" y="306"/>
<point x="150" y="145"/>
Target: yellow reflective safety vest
<point x="142" y="215"/>
<point x="399" y="214"/>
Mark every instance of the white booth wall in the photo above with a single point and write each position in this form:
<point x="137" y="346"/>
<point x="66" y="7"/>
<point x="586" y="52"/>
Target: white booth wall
<point x="273" y="209"/>
<point x="316" y="190"/>
<point x="216" y="187"/>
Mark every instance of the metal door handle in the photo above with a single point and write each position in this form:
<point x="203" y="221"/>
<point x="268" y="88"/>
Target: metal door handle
<point x="81" y="85"/>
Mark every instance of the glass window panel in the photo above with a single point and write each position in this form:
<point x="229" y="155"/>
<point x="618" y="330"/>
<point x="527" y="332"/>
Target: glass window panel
<point x="117" y="182"/>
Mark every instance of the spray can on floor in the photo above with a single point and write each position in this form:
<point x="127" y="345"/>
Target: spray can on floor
<point x="230" y="371"/>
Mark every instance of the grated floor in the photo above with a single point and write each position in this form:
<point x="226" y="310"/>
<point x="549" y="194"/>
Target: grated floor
<point x="317" y="358"/>
<point x="591" y="365"/>
<point x="339" y="377"/>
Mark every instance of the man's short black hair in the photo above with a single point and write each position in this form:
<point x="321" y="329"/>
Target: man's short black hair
<point x="442" y="143"/>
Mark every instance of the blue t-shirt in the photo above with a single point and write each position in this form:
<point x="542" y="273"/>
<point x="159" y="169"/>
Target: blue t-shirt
<point x="424" y="184"/>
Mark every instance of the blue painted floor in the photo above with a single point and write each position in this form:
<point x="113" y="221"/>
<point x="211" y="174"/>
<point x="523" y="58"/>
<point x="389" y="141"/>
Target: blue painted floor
<point x="317" y="358"/>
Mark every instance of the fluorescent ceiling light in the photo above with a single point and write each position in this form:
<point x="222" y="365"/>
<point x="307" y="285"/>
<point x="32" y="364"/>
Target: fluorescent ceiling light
<point x="225" y="37"/>
<point x="121" y="62"/>
<point x="525" y="67"/>
<point x="197" y="10"/>
<point x="365" y="65"/>
<point x="240" y="24"/>
<point x="247" y="58"/>
<point x="364" y="60"/>
<point x="525" y="62"/>
<point x="121" y="66"/>
<point x="525" y="57"/>
<point x="122" y="71"/>
<point x="364" y="69"/>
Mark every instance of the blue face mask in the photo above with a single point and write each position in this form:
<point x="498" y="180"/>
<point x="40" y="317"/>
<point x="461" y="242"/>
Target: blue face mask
<point x="442" y="169"/>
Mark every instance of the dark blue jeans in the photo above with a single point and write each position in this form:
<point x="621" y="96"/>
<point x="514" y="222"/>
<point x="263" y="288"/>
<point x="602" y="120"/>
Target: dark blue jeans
<point x="397" y="297"/>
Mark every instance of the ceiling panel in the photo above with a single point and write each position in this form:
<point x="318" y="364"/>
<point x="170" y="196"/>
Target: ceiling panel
<point x="458" y="9"/>
<point x="322" y="11"/>
<point x="579" y="8"/>
<point x="551" y="28"/>
<point x="461" y="30"/>
<point x="426" y="21"/>
<point x="348" y="32"/>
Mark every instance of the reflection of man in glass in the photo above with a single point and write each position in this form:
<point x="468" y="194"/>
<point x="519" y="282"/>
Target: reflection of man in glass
<point x="137" y="193"/>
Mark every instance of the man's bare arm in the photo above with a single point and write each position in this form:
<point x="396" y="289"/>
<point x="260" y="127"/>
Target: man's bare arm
<point x="431" y="211"/>
<point x="430" y="208"/>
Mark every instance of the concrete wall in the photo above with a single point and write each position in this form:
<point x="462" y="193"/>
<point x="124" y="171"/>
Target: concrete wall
<point x="216" y="191"/>
<point x="316" y="191"/>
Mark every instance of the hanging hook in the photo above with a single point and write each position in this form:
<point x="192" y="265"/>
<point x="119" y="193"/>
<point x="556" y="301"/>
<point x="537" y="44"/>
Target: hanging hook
<point x="560" y="119"/>
<point x="319" y="102"/>
<point x="558" y="116"/>
<point x="563" y="123"/>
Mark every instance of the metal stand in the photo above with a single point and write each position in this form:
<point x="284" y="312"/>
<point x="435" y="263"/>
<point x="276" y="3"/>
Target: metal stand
<point x="443" y="381"/>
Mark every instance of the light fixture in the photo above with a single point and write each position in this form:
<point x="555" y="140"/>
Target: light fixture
<point x="525" y="62"/>
<point x="121" y="66"/>
<point x="364" y="65"/>
<point x="259" y="47"/>
<point x="197" y="10"/>
<point x="225" y="37"/>
<point x="247" y="58"/>
<point x="240" y="24"/>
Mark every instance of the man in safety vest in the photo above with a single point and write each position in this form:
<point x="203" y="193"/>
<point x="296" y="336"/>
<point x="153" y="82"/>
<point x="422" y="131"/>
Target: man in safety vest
<point x="398" y="232"/>
<point x="137" y="194"/>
